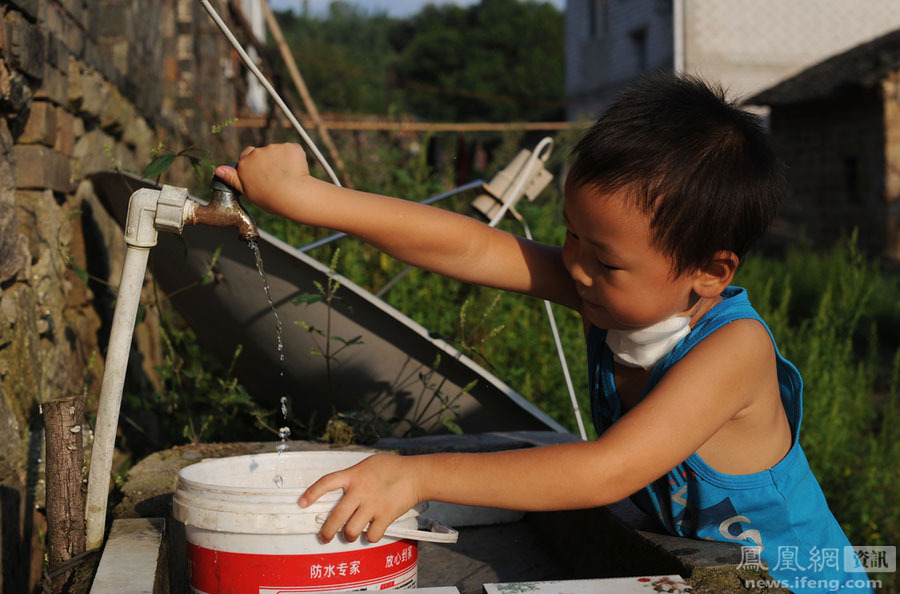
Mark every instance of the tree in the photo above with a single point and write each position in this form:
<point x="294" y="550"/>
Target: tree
<point x="498" y="60"/>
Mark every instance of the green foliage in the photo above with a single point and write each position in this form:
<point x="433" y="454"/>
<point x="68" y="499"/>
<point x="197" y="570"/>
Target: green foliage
<point x="498" y="60"/>
<point x="827" y="311"/>
<point x="344" y="57"/>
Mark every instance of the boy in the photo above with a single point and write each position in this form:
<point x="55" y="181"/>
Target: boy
<point x="697" y="413"/>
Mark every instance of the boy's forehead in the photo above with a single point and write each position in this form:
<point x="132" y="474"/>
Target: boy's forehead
<point x="592" y="201"/>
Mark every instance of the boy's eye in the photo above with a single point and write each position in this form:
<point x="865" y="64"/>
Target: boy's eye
<point x="608" y="267"/>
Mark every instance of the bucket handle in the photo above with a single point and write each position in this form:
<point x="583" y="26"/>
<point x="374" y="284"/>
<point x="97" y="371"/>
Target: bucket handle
<point x="429" y="530"/>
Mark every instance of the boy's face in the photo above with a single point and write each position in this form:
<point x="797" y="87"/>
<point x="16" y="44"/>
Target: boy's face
<point x="624" y="281"/>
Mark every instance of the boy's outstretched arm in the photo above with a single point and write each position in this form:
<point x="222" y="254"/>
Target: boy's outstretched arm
<point x="694" y="400"/>
<point x="277" y="179"/>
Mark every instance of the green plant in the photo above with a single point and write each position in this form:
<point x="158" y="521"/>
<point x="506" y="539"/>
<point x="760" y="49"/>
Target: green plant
<point x="201" y="159"/>
<point x="818" y="307"/>
<point x="327" y="294"/>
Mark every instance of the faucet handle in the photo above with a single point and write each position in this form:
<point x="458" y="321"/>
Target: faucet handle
<point x="220" y="184"/>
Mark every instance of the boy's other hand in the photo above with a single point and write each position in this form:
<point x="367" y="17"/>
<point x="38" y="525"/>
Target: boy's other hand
<point x="268" y="175"/>
<point x="377" y="491"/>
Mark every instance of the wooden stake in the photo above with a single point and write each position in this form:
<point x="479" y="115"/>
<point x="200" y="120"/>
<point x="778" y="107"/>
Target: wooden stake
<point x="288" y="58"/>
<point x="64" y="474"/>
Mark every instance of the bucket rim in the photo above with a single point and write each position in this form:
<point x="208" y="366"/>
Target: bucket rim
<point x="186" y="478"/>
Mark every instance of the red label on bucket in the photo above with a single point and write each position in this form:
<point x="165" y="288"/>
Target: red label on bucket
<point x="373" y="567"/>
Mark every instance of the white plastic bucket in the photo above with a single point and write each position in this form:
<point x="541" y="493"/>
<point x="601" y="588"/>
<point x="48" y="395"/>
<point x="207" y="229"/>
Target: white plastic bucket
<point x="245" y="534"/>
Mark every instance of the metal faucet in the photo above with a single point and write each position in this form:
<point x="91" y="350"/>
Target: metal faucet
<point x="224" y="209"/>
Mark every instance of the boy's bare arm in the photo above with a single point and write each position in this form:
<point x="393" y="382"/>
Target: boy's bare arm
<point x="695" y="399"/>
<point x="277" y="179"/>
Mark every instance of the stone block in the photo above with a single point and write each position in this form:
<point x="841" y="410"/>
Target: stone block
<point x="113" y="20"/>
<point x="90" y="153"/>
<point x="32" y="8"/>
<point x="138" y="135"/>
<point x="4" y="38"/>
<point x="41" y="167"/>
<point x="73" y="36"/>
<point x="57" y="52"/>
<point x="21" y="359"/>
<point x="89" y="93"/>
<point x="74" y="84"/>
<point x="13" y="255"/>
<point x="132" y="558"/>
<point x="15" y="92"/>
<point x="26" y="45"/>
<point x="40" y="128"/>
<point x="65" y="132"/>
<point x="54" y="86"/>
<point x="77" y="9"/>
<point x="118" y="112"/>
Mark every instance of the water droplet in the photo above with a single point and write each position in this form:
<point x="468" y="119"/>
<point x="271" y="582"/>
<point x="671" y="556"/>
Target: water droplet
<point x="278" y="480"/>
<point x="284" y="432"/>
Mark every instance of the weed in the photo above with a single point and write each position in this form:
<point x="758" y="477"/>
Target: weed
<point x="327" y="294"/>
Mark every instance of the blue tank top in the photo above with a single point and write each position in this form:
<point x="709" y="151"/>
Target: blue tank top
<point x="780" y="515"/>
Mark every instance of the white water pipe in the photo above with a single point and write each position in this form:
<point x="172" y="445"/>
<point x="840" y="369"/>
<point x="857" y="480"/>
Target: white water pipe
<point x="148" y="211"/>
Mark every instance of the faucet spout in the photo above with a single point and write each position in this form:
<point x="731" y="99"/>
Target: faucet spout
<point x="223" y="210"/>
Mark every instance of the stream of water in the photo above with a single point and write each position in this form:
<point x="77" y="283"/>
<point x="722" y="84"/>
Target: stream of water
<point x="283" y="432"/>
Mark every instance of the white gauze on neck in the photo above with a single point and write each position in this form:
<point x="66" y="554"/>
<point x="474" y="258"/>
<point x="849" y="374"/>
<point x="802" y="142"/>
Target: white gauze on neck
<point x="644" y="347"/>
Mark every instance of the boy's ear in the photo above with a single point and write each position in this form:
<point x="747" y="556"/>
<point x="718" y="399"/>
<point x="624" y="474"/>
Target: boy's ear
<point x="715" y="277"/>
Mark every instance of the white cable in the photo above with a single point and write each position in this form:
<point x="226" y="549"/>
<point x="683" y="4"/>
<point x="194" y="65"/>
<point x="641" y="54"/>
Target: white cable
<point x="562" y="356"/>
<point x="265" y="83"/>
<point x="511" y="195"/>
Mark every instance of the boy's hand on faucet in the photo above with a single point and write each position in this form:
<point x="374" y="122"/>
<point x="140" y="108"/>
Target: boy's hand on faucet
<point x="377" y="491"/>
<point x="268" y="175"/>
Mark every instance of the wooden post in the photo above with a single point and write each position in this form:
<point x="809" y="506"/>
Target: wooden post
<point x="64" y="476"/>
<point x="288" y="58"/>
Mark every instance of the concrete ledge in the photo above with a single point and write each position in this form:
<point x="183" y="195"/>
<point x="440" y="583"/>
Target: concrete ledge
<point x="132" y="559"/>
<point x="619" y="540"/>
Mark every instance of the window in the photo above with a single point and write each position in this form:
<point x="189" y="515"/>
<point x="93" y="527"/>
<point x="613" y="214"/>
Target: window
<point x="597" y="18"/>
<point x="639" y="48"/>
<point x="851" y="178"/>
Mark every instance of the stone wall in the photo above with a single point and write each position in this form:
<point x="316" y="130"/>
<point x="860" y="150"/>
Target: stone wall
<point x="85" y="85"/>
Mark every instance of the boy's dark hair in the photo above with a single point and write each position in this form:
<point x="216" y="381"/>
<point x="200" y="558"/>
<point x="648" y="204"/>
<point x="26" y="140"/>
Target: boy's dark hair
<point x="700" y="166"/>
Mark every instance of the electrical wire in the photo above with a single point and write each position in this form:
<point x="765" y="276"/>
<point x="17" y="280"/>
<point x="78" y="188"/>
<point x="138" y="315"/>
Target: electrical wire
<point x="275" y="96"/>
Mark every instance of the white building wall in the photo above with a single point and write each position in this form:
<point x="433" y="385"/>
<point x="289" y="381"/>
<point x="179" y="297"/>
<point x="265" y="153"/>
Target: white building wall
<point x="750" y="46"/>
<point x="746" y="45"/>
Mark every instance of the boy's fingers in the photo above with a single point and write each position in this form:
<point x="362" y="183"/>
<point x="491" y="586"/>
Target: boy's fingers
<point x="337" y="518"/>
<point x="230" y="176"/>
<point x="247" y="150"/>
<point x="377" y="528"/>
<point x="329" y="482"/>
<point x="356" y="524"/>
